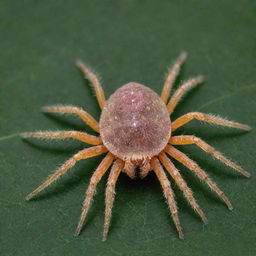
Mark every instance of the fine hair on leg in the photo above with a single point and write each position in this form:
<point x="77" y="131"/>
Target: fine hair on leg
<point x="92" y="77"/>
<point x="207" y="118"/>
<point x="174" y="172"/>
<point x="69" y="109"/>
<point x="191" y="139"/>
<point x="180" y="92"/>
<point x="81" y="136"/>
<point x="83" y="154"/>
<point x="171" y="76"/>
<point x="194" y="167"/>
<point x="96" y="177"/>
<point x="110" y="194"/>
<point x="168" y="193"/>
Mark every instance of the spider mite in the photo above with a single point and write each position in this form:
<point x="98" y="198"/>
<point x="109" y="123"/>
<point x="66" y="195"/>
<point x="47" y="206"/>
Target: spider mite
<point x="136" y="132"/>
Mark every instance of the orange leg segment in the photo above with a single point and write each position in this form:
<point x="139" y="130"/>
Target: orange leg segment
<point x="83" y="154"/>
<point x="170" y="79"/>
<point x="95" y="82"/>
<point x="96" y="177"/>
<point x="110" y="194"/>
<point x="190" y="139"/>
<point x="81" y="136"/>
<point x="207" y="118"/>
<point x="168" y="193"/>
<point x="175" y="99"/>
<point x="174" y="172"/>
<point x="67" y="109"/>
<point x="193" y="166"/>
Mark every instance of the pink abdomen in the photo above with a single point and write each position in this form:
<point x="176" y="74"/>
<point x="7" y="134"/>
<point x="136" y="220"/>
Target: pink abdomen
<point x="135" y="123"/>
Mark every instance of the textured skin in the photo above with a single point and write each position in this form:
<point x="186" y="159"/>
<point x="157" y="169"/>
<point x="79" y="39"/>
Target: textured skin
<point x="135" y="124"/>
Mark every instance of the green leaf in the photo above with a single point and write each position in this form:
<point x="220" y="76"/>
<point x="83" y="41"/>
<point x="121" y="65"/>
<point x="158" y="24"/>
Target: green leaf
<point x="124" y="41"/>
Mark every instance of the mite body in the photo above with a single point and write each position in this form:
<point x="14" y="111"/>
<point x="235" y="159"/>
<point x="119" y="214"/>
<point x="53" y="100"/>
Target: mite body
<point x="136" y="132"/>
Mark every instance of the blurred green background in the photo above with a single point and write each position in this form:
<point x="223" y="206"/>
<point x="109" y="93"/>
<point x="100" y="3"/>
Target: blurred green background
<point x="127" y="40"/>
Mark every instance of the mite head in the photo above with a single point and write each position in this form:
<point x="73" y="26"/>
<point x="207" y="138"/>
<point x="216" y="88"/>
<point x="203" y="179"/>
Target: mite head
<point x="137" y="168"/>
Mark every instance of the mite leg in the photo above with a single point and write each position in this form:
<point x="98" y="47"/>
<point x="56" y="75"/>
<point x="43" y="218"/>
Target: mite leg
<point x="95" y="82"/>
<point x="190" y="139"/>
<point x="207" y="118"/>
<point x="68" y="109"/>
<point x="168" y="193"/>
<point x="96" y="177"/>
<point x="179" y="93"/>
<point x="193" y="166"/>
<point x="110" y="194"/>
<point x="83" y="154"/>
<point x="174" y="71"/>
<point x="81" y="136"/>
<point x="174" y="172"/>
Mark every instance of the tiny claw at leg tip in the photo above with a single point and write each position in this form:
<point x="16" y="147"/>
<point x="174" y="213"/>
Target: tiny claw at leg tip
<point x="184" y="54"/>
<point x="28" y="197"/>
<point x="201" y="78"/>
<point x="230" y="207"/>
<point x="247" y="175"/>
<point x="24" y="134"/>
<point x="181" y="236"/>
<point x="77" y="233"/>
<point x="44" y="109"/>
<point x="247" y="128"/>
<point x="104" y="236"/>
<point x="79" y="63"/>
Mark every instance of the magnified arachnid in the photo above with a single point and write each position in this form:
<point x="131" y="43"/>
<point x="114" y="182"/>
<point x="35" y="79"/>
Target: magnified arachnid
<point x="136" y="132"/>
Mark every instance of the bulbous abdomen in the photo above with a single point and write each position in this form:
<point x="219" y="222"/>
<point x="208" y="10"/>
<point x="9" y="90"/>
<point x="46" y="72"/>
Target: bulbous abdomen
<point x="135" y="123"/>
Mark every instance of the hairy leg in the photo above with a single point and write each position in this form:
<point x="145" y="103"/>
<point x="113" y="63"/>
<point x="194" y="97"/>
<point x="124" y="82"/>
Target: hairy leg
<point x="68" y="109"/>
<point x="110" y="194"/>
<point x="170" y="79"/>
<point x="190" y="139"/>
<point x="179" y="93"/>
<point x="96" y="177"/>
<point x="95" y="82"/>
<point x="207" y="118"/>
<point x="193" y="166"/>
<point x="174" y="172"/>
<point x="81" y="136"/>
<point x="168" y="193"/>
<point x="83" y="154"/>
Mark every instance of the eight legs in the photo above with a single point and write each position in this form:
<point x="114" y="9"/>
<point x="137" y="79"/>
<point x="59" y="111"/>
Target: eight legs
<point x="96" y="177"/>
<point x="181" y="91"/>
<point x="95" y="81"/>
<point x="155" y="164"/>
<point x="174" y="172"/>
<point x="193" y="166"/>
<point x="207" y="118"/>
<point x="110" y="194"/>
<point x="168" y="193"/>
<point x="174" y="71"/>
<point x="68" y="109"/>
<point x="82" y="136"/>
<point x="83" y="154"/>
<point x="190" y="139"/>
